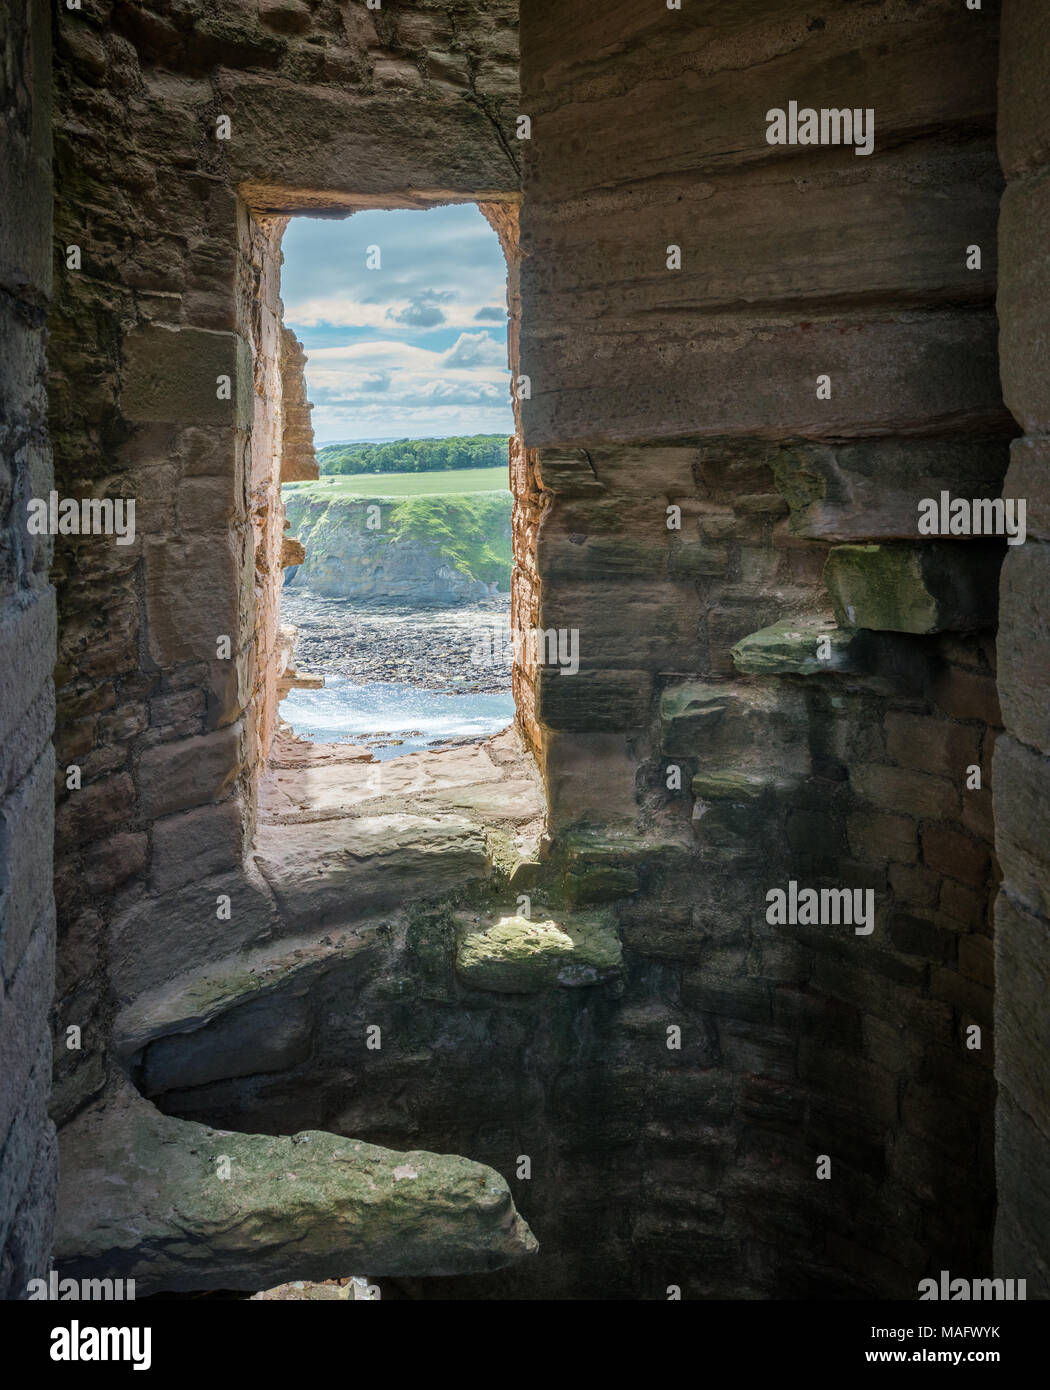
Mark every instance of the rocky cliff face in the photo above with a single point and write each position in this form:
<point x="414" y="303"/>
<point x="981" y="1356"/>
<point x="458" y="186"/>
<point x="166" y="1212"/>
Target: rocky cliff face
<point x="412" y="559"/>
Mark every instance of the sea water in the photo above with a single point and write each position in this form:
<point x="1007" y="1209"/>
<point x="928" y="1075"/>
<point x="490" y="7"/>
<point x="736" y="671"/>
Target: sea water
<point x="347" y="713"/>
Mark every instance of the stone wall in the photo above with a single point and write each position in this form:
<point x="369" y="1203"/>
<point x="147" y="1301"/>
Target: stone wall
<point x="167" y="387"/>
<point x="780" y="685"/>
<point x="1022" y="773"/>
<point x="697" y="388"/>
<point x="179" y="289"/>
<point x="27" y="648"/>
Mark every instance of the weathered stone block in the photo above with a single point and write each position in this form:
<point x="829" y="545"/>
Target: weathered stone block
<point x="727" y="134"/>
<point x="341" y="871"/>
<point x="958" y="856"/>
<point x="871" y="489"/>
<point x="567" y="472"/>
<point x="629" y="625"/>
<point x="23" y="1019"/>
<point x="915" y="936"/>
<point x="111" y="862"/>
<point x="590" y="777"/>
<point x="1028" y="477"/>
<point x="311" y="1205"/>
<point x="28" y="1109"/>
<point x="881" y="835"/>
<point x="282" y="162"/>
<point x="1024" y="285"/>
<point x="1023" y="1195"/>
<point x="516" y="956"/>
<point x="1024" y="645"/>
<point x="1024" y="121"/>
<point x="268" y="1035"/>
<point x="180" y="934"/>
<point x="588" y="559"/>
<point x="918" y="589"/>
<point x="195" y="592"/>
<point x="690" y="712"/>
<point x="592" y="699"/>
<point x="967" y="694"/>
<point x="939" y="746"/>
<point x="1021" y="791"/>
<point x="28" y="629"/>
<point x="963" y="904"/>
<point x="977" y="958"/>
<point x="1022" y="1025"/>
<point x="194" y="845"/>
<point x="175" y="776"/>
<point x="730" y="375"/>
<point x="698" y="559"/>
<point x="898" y="789"/>
<point x="733" y="806"/>
<point x="210" y="503"/>
<point x="746" y="728"/>
<point x="27" y="819"/>
<point x="171" y="374"/>
<point x="800" y="647"/>
<point x="27" y="1249"/>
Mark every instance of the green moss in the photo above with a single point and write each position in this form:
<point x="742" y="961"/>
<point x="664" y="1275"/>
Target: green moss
<point x="516" y="956"/>
<point x="881" y="587"/>
<point x="803" y="647"/>
<point x="799" y="484"/>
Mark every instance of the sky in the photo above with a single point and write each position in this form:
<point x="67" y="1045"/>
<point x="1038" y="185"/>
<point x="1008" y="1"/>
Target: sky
<point x="413" y="349"/>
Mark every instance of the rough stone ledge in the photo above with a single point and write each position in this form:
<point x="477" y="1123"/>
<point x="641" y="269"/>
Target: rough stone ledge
<point x="195" y="998"/>
<point x="331" y="873"/>
<point x="145" y="1199"/>
<point x="794" y="647"/>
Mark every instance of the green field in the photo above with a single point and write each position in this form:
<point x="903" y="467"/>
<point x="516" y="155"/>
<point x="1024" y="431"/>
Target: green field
<point x="450" y="483"/>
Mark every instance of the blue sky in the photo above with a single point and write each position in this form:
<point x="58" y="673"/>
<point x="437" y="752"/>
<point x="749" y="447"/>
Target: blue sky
<point x="415" y="348"/>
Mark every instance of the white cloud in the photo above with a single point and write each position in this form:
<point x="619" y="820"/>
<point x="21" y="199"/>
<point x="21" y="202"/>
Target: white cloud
<point x="476" y="349"/>
<point x="442" y="275"/>
<point x="412" y="312"/>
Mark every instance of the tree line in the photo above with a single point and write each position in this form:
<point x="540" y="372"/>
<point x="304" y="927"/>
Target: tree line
<point x="415" y="455"/>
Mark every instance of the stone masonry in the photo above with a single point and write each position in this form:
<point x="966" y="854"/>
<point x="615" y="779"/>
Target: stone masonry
<point x="27" y="624"/>
<point x="1022" y="771"/>
<point x="747" y="365"/>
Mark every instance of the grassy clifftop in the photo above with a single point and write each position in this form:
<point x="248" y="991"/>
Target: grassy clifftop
<point x="452" y="483"/>
<point x="440" y="514"/>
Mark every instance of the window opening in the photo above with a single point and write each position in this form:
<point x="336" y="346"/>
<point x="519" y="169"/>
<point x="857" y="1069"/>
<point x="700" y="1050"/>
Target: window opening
<point x="402" y="602"/>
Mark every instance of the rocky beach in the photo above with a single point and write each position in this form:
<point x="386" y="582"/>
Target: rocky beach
<point x="398" y="679"/>
<point x="431" y="649"/>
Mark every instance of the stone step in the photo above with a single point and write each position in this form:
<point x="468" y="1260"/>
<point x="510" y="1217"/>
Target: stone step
<point x="195" y="998"/>
<point x="176" y="1206"/>
<point x="330" y="873"/>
